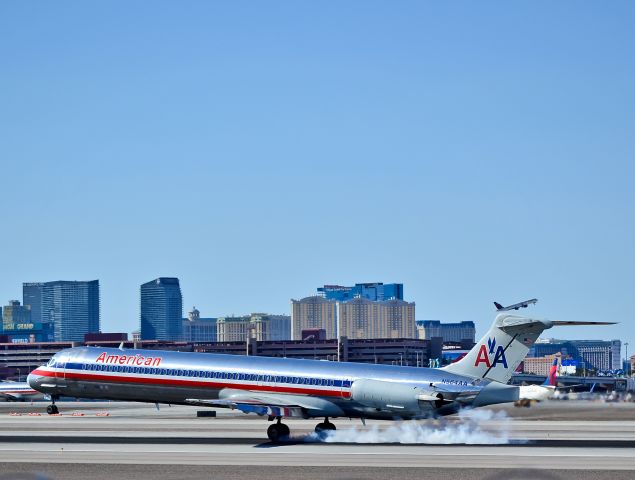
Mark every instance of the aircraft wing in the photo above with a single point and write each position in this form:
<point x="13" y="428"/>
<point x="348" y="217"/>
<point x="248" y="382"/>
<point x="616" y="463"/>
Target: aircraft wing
<point x="250" y="406"/>
<point x="276" y="405"/>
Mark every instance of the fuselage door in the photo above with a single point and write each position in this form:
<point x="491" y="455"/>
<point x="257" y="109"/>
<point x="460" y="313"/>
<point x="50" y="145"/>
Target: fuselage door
<point x="345" y="389"/>
<point x="61" y="360"/>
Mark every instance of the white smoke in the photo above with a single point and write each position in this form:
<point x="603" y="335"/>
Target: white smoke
<point x="468" y="428"/>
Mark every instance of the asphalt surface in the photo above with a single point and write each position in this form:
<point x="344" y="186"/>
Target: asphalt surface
<point x="554" y="440"/>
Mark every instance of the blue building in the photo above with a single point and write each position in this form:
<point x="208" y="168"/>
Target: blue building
<point x="32" y="295"/>
<point x="377" y="292"/>
<point x="199" y="329"/>
<point x="161" y="310"/>
<point x="590" y="354"/>
<point x="63" y="310"/>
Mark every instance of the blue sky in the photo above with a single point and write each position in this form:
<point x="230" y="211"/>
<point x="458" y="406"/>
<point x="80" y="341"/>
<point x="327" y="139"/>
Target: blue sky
<point x="257" y="150"/>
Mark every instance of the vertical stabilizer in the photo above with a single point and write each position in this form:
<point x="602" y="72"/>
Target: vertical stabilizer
<point x="497" y="355"/>
<point x="551" y="380"/>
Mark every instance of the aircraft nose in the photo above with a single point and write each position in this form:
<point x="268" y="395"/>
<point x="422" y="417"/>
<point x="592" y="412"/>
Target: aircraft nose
<point x="33" y="381"/>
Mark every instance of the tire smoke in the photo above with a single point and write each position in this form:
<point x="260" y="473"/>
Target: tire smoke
<point x="466" y="428"/>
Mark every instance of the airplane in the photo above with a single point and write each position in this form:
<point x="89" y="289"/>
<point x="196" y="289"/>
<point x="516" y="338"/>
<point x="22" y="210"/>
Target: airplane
<point x="515" y="306"/>
<point x="538" y="393"/>
<point x="280" y="387"/>
<point x="18" y="391"/>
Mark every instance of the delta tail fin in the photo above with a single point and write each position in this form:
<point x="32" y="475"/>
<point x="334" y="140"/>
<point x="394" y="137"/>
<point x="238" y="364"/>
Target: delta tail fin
<point x="497" y="355"/>
<point x="552" y="380"/>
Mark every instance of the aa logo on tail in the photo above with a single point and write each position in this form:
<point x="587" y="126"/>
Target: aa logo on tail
<point x="486" y="351"/>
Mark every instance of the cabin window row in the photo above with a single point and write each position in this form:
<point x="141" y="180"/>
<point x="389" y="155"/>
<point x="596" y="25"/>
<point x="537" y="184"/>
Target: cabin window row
<point x="248" y="377"/>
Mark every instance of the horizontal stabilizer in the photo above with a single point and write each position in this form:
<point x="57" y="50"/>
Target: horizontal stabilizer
<point x="567" y="322"/>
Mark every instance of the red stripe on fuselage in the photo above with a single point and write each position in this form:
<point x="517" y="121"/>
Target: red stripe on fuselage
<point x="190" y="383"/>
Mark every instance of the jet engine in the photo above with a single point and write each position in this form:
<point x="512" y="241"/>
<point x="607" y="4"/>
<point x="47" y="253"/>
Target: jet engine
<point x="396" y="397"/>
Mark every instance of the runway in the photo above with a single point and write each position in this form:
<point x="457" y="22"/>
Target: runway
<point x="559" y="440"/>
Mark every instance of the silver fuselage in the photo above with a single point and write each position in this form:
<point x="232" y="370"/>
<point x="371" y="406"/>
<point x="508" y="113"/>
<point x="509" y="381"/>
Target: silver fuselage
<point x="174" y="377"/>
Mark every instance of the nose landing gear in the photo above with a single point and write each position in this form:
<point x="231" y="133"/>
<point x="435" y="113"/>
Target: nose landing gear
<point x="52" y="408"/>
<point x="278" y="431"/>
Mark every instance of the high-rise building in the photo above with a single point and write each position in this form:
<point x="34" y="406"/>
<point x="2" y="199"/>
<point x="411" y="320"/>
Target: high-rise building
<point x="17" y="325"/>
<point x="361" y="318"/>
<point x="233" y="329"/>
<point x="271" y="327"/>
<point x="14" y="315"/>
<point x="311" y="313"/>
<point x="372" y="291"/>
<point x="259" y="326"/>
<point x="32" y="296"/>
<point x="199" y="329"/>
<point x="161" y="309"/>
<point x="63" y="310"/>
<point x="450" y="332"/>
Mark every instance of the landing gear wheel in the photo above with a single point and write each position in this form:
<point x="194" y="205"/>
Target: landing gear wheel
<point x="277" y="432"/>
<point x="52" y="409"/>
<point x="324" y="427"/>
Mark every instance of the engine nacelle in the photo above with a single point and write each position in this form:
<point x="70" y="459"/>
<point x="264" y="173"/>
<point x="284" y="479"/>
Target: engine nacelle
<point x="395" y="397"/>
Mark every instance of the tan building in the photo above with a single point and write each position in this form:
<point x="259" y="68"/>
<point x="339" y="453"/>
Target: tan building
<point x="233" y="329"/>
<point x="314" y="312"/>
<point x="363" y="318"/>
<point x="538" y="365"/>
<point x="260" y="326"/>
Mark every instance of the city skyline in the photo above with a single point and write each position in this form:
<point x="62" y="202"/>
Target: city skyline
<point x="473" y="152"/>
<point x="319" y="293"/>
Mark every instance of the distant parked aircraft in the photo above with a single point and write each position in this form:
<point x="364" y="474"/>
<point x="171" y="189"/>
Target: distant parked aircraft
<point x="538" y="393"/>
<point x="18" y="391"/>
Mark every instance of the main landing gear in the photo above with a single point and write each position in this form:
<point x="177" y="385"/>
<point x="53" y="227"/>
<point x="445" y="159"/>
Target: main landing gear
<point x="325" y="426"/>
<point x="52" y="408"/>
<point x="278" y="431"/>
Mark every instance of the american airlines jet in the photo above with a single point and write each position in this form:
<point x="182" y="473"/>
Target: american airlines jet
<point x="278" y="387"/>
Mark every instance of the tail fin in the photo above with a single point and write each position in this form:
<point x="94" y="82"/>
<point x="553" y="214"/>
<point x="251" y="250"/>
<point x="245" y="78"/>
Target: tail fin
<point x="498" y="306"/>
<point x="497" y="355"/>
<point x="551" y="380"/>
